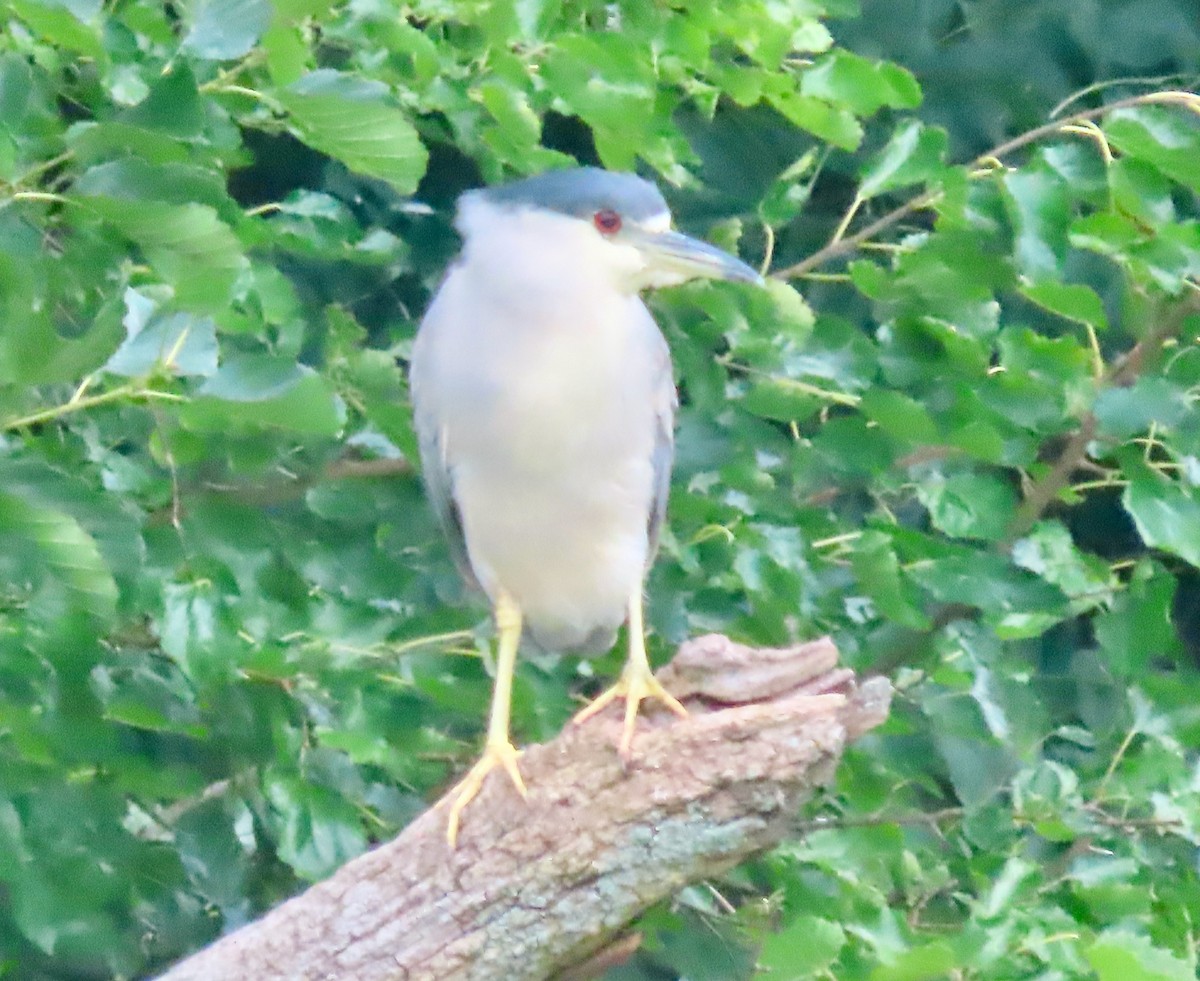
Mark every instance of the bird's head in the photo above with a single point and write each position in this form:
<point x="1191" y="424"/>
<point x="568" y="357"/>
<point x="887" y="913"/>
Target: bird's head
<point x="565" y="224"/>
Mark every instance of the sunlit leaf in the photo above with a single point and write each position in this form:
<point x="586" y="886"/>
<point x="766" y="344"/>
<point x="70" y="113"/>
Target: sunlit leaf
<point x="319" y="831"/>
<point x="1167" y="516"/>
<point x="263" y="391"/>
<point x="808" y="945"/>
<point x="843" y="78"/>
<point x="1039" y="205"/>
<point x="352" y="121"/>
<point x="1118" y="955"/>
<point x="1163" y="137"/>
<point x="913" y="155"/>
<point x="177" y="343"/>
<point x="1071" y="300"/>
<point x="67" y="551"/>
<point x="226" y="29"/>
<point x="187" y="244"/>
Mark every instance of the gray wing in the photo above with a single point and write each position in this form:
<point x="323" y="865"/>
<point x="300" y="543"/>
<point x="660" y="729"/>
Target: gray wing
<point x="665" y="402"/>
<point x="435" y="467"/>
<point x="439" y="489"/>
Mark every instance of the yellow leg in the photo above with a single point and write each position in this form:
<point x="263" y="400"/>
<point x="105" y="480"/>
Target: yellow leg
<point x="637" y="681"/>
<point x="498" y="750"/>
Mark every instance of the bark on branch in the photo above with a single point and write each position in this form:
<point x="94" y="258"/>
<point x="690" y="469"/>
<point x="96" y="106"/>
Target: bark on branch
<point x="538" y="886"/>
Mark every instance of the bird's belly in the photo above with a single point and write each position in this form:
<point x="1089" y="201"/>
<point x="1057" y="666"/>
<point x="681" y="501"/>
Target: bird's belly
<point x="556" y="509"/>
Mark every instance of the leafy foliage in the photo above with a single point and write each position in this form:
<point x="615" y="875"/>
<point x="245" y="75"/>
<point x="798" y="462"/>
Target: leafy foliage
<point x="233" y="651"/>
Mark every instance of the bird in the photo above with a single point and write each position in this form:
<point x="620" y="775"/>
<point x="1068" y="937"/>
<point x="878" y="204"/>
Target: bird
<point x="543" y="402"/>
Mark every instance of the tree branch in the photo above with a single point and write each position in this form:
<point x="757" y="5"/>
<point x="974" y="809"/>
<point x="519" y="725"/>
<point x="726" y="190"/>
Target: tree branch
<point x="1124" y="371"/>
<point x="540" y="885"/>
<point x="840" y="245"/>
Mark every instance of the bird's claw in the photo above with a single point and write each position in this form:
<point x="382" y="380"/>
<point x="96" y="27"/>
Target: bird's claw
<point x="495" y="754"/>
<point x="635" y="686"/>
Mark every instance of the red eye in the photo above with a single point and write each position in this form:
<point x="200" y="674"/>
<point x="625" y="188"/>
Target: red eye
<point x="607" y="221"/>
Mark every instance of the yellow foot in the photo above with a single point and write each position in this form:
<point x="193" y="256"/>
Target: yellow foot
<point x="502" y="754"/>
<point x="635" y="687"/>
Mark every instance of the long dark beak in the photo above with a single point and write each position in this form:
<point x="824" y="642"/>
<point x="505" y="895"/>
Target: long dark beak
<point x="673" y="255"/>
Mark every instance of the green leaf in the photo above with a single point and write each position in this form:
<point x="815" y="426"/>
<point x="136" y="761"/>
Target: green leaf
<point x="350" y="120"/>
<point x="226" y="29"/>
<point x="832" y="123"/>
<point x="187" y="629"/>
<point x="607" y="82"/>
<point x="913" y="155"/>
<point x="790" y="192"/>
<point x="377" y="385"/>
<point x="1071" y="300"/>
<point x="1137" y="629"/>
<point x="187" y="244"/>
<point x="55" y="21"/>
<point x="1012" y="884"/>
<point x="264" y="391"/>
<point x="1150" y="401"/>
<point x="1039" y="206"/>
<point x="1167" y="515"/>
<point x="287" y="53"/>
<point x="966" y="733"/>
<point x="1049" y="551"/>
<point x="516" y="119"/>
<point x="33" y="352"/>
<point x="1143" y="192"/>
<point x="16" y="90"/>
<point x="969" y="505"/>
<point x="67" y="551"/>
<point x="878" y="573"/>
<point x="1118" y="955"/>
<point x="189" y="342"/>
<point x="1106" y="233"/>
<point x="1078" y="163"/>
<point x="105" y="518"/>
<point x="1015" y="602"/>
<point x="58" y="916"/>
<point x="93" y="142"/>
<point x="145" y="696"/>
<point x="844" y="78"/>
<point x="213" y="856"/>
<point x="781" y="399"/>
<point x="807" y="946"/>
<point x="931" y="962"/>
<point x="1163" y="137"/>
<point x="899" y="416"/>
<point x="174" y="105"/>
<point x="255" y="378"/>
<point x="135" y="179"/>
<point x="318" y="830"/>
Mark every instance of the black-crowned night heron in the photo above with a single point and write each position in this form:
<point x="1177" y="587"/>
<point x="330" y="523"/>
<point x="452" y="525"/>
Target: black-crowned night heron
<point x="544" y="404"/>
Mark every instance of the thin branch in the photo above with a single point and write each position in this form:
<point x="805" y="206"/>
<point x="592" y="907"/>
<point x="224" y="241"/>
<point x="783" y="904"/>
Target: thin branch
<point x="945" y="815"/>
<point x="291" y="488"/>
<point x="36" y="171"/>
<point x="841" y="246"/>
<point x="1053" y="481"/>
<point x="851" y="242"/>
<point x="1124" y="371"/>
<point x="79" y="403"/>
<point x="352" y="467"/>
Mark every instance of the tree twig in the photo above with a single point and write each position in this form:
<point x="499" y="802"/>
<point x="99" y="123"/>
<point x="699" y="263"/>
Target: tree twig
<point x="1123" y="371"/>
<point x="840" y="246"/>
